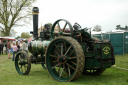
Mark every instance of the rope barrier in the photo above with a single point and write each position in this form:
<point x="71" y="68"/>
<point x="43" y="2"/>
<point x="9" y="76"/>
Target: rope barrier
<point x="119" y="68"/>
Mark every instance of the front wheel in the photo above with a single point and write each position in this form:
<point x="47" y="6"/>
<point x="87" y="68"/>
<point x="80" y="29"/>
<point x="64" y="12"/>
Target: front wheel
<point x="65" y="59"/>
<point x="22" y="63"/>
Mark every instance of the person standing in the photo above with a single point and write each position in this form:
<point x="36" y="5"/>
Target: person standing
<point x="9" y="49"/>
<point x="24" y="45"/>
<point x="21" y="45"/>
<point x="17" y="45"/>
<point x="14" y="47"/>
<point x="1" y="48"/>
<point x="6" y="47"/>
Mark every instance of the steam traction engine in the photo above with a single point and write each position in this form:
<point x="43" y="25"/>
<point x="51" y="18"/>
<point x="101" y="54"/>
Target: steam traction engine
<point x="66" y="52"/>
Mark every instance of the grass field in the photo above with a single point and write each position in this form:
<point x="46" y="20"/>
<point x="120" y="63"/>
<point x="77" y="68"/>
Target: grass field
<point x="40" y="76"/>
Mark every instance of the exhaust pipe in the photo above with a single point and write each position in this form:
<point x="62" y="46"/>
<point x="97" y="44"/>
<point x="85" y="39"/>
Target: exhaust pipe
<point x="35" y="12"/>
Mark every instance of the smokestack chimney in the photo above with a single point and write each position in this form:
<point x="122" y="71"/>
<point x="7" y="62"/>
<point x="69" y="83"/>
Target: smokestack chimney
<point x="35" y="12"/>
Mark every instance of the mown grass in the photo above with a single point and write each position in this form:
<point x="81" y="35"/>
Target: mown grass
<point x="122" y="61"/>
<point x="40" y="76"/>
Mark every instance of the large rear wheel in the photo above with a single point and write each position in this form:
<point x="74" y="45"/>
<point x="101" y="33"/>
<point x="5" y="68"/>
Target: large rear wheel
<point x="65" y="59"/>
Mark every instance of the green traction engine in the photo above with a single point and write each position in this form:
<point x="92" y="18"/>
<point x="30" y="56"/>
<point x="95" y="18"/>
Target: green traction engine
<point x="66" y="51"/>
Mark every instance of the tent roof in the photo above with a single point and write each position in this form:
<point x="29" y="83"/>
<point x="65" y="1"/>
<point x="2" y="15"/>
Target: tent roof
<point x="118" y="31"/>
<point x="9" y="38"/>
<point x="100" y="32"/>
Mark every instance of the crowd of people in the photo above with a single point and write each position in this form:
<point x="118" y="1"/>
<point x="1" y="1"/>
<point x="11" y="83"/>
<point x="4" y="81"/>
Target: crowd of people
<point x="13" y="46"/>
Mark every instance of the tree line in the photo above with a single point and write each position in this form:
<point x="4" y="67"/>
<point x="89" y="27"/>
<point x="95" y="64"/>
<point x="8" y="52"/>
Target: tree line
<point x="14" y="13"/>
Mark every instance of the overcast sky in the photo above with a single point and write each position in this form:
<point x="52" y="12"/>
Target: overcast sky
<point x="88" y="13"/>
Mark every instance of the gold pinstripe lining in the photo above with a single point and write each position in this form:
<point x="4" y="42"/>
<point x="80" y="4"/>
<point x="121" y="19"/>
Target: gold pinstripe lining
<point x="44" y="45"/>
<point x="36" y="46"/>
<point x="32" y="46"/>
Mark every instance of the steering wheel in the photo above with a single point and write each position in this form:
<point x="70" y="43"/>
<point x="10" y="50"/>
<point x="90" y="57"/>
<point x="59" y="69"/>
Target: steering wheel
<point x="61" y="31"/>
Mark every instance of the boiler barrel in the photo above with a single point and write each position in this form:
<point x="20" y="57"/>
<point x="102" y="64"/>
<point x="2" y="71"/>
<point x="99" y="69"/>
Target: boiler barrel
<point x="38" y="46"/>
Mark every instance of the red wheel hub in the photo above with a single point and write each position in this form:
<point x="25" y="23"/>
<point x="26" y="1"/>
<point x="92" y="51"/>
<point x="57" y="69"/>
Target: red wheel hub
<point x="62" y="59"/>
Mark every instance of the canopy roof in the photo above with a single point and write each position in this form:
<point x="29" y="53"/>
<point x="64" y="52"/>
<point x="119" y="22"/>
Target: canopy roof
<point x="8" y="38"/>
<point x="100" y="32"/>
<point x="118" y="31"/>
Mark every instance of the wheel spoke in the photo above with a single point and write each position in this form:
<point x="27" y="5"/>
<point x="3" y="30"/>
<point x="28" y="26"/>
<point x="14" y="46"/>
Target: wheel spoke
<point x="59" y="69"/>
<point x="59" y="26"/>
<point x="64" y="27"/>
<point x="25" y="58"/>
<point x="25" y="68"/>
<point x="54" y="56"/>
<point x="69" y="71"/>
<point x="68" y="50"/>
<point x="55" y="66"/>
<point x="72" y="57"/>
<point x="73" y="62"/>
<point x="56" y="53"/>
<point x="65" y="71"/>
<point x="61" y="72"/>
<point x="21" y="69"/>
<point x="65" y="46"/>
<point x="55" y="61"/>
<point x="71" y="52"/>
<point x="20" y="58"/>
<point x="61" y="48"/>
<point x="71" y="66"/>
<point x="57" y="47"/>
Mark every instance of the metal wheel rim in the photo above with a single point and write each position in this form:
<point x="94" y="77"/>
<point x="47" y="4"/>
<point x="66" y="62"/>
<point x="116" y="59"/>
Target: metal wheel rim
<point x="22" y="61"/>
<point x="54" y="73"/>
<point x="44" y="66"/>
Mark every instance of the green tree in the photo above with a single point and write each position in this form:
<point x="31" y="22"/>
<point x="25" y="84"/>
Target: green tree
<point x="17" y="37"/>
<point x="1" y="34"/>
<point x="11" y="34"/>
<point x="97" y="28"/>
<point x="12" y="12"/>
<point x="25" y="35"/>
